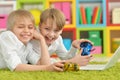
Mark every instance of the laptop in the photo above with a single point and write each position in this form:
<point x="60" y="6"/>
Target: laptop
<point x="109" y="64"/>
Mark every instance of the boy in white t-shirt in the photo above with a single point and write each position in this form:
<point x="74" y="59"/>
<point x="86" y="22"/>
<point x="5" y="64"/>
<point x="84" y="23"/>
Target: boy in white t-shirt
<point x="51" y="26"/>
<point x="16" y="52"/>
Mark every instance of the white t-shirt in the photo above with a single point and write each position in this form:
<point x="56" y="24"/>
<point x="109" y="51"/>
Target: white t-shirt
<point x="56" y="47"/>
<point x="14" y="52"/>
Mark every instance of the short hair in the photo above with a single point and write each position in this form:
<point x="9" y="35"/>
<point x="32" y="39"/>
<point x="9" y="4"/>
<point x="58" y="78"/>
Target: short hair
<point x="18" y="15"/>
<point x="55" y="15"/>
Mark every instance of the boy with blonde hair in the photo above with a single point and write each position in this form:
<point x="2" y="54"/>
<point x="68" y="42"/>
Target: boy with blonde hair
<point x="51" y="25"/>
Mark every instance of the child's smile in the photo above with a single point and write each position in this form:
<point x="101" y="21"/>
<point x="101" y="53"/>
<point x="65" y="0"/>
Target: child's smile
<point x="24" y="29"/>
<point x="50" y="33"/>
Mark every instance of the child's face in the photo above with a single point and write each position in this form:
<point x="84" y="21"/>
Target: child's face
<point x="23" y="29"/>
<point x="49" y="31"/>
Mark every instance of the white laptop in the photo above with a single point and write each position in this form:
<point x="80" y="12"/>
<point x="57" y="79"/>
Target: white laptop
<point x="109" y="64"/>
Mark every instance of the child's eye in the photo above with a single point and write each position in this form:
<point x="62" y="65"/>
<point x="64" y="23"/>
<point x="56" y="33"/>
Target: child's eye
<point x="47" y="28"/>
<point x="31" y="27"/>
<point x="56" y="30"/>
<point x="20" y="26"/>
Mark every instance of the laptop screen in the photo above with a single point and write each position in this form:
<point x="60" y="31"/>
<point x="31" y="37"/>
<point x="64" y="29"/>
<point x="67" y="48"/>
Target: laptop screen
<point x="114" y="58"/>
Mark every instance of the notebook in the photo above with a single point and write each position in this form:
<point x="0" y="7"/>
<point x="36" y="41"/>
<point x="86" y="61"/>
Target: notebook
<point x="109" y="64"/>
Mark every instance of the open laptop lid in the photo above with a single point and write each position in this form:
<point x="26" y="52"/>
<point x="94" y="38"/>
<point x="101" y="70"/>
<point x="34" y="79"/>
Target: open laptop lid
<point x="113" y="59"/>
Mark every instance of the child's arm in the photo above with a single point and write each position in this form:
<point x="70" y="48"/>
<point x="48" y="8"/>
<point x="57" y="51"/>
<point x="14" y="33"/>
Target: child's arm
<point x="58" y="66"/>
<point x="62" y="52"/>
<point x="45" y="58"/>
<point x="74" y="47"/>
<point x="81" y="60"/>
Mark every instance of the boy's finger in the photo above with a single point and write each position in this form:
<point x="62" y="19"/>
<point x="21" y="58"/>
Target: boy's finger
<point x="81" y="49"/>
<point x="59" y="69"/>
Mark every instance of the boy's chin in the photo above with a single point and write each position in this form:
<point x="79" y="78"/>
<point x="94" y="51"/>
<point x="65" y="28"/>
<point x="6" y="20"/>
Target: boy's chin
<point x="49" y="43"/>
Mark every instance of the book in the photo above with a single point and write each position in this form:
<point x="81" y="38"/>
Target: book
<point x="116" y="16"/>
<point x="99" y="16"/>
<point x="80" y="17"/>
<point x="95" y="14"/>
<point x="3" y="21"/>
<point x="58" y="5"/>
<point x="88" y="14"/>
<point x="67" y="11"/>
<point x="83" y="14"/>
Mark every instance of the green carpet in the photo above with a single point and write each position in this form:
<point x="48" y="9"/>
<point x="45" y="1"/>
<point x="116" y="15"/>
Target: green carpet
<point x="112" y="73"/>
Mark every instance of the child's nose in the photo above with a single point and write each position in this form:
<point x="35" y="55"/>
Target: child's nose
<point x="26" y="29"/>
<point x="52" y="33"/>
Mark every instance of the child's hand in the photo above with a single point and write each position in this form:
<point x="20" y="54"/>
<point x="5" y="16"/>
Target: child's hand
<point x="58" y="66"/>
<point x="81" y="60"/>
<point x="37" y="35"/>
<point x="76" y="43"/>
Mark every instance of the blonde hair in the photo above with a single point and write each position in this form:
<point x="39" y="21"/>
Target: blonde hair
<point x="16" y="16"/>
<point x="55" y="15"/>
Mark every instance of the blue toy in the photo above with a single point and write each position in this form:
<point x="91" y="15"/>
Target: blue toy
<point x="86" y="48"/>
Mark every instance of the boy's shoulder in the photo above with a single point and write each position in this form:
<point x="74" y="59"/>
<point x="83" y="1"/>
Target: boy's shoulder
<point x="59" y="39"/>
<point x="7" y="33"/>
